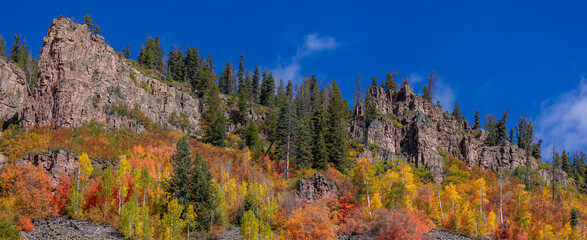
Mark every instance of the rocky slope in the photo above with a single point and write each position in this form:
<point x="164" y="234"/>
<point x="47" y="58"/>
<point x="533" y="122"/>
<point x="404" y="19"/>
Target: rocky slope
<point x="411" y="128"/>
<point x="82" y="78"/>
<point x="13" y="91"/>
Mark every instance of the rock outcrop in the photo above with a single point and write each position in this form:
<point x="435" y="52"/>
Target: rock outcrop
<point x="58" y="163"/>
<point x="13" y="91"/>
<point x="411" y="128"/>
<point x="316" y="187"/>
<point x="81" y="78"/>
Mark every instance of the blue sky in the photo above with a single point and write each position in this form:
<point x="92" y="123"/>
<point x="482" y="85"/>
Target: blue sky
<point x="526" y="56"/>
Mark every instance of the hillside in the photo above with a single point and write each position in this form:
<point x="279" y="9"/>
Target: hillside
<point x="100" y="138"/>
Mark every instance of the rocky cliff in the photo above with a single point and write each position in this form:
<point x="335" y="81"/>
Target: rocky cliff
<point x="13" y="91"/>
<point x="411" y="128"/>
<point x="82" y="78"/>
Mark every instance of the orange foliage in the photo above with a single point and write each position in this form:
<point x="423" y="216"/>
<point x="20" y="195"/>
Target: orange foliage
<point x="25" y="223"/>
<point x="92" y="196"/>
<point x="311" y="222"/>
<point x="400" y="224"/>
<point x="59" y="199"/>
<point x="31" y="188"/>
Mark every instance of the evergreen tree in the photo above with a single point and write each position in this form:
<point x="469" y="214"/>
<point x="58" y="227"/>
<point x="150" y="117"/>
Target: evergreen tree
<point x="251" y="135"/>
<point x="206" y="78"/>
<point x="432" y="85"/>
<point x="502" y="129"/>
<point x="227" y="83"/>
<point x="179" y="183"/>
<point x="405" y="82"/>
<point x="314" y="93"/>
<point x="336" y="134"/>
<point x="285" y="130"/>
<point x="243" y="108"/>
<point x="537" y="149"/>
<point x="241" y="73"/>
<point x="126" y="51"/>
<point x="491" y="127"/>
<point x="254" y="93"/>
<point x="176" y="65"/>
<point x="2" y="47"/>
<point x="151" y="55"/>
<point x="267" y="90"/>
<point x="390" y="84"/>
<point x="374" y="83"/>
<point x="280" y="97"/>
<point x="370" y="114"/>
<point x="203" y="195"/>
<point x="87" y="20"/>
<point x="566" y="163"/>
<point x="476" y="125"/>
<point x="19" y="52"/>
<point x="511" y="138"/>
<point x="214" y="115"/>
<point x="525" y="132"/>
<point x="193" y="65"/>
<point x="456" y="113"/>
<point x="426" y="93"/>
<point x="302" y="147"/>
<point x="319" y="152"/>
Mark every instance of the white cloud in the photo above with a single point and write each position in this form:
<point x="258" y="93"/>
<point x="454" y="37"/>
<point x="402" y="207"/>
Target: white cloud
<point x="563" y="120"/>
<point x="445" y="94"/>
<point x="416" y="78"/>
<point x="313" y="43"/>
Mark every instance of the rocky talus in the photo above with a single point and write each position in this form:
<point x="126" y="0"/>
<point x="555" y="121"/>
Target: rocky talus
<point x="411" y="128"/>
<point x="81" y="78"/>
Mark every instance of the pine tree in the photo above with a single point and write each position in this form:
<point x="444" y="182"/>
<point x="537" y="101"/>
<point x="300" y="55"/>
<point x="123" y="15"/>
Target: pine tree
<point x="241" y="73"/>
<point x="319" y="152"/>
<point x="456" y="113"/>
<point x="87" y="20"/>
<point x="491" y="127"/>
<point x="280" y="97"/>
<point x="370" y="111"/>
<point x="254" y="92"/>
<point x="227" y="83"/>
<point x="193" y="65"/>
<point x="179" y="185"/>
<point x="390" y="84"/>
<point x="476" y="125"/>
<point x="243" y="108"/>
<point x="502" y="129"/>
<point x="267" y="90"/>
<point x="251" y="135"/>
<point x="566" y="163"/>
<point x="314" y="93"/>
<point x="405" y="82"/>
<point x="432" y="85"/>
<point x="126" y="51"/>
<point x="285" y="130"/>
<point x="176" y="65"/>
<point x="374" y="83"/>
<point x="511" y="138"/>
<point x="2" y="47"/>
<point x="525" y="132"/>
<point x="203" y="195"/>
<point x="151" y="55"/>
<point x="336" y="134"/>
<point x="19" y="52"/>
<point x="302" y="147"/>
<point x="426" y="93"/>
<point x="214" y="115"/>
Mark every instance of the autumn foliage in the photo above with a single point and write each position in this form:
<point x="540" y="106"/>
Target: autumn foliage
<point x="25" y="223"/>
<point x="310" y="222"/>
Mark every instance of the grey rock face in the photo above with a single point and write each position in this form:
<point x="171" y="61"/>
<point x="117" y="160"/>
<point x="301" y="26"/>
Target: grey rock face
<point x="81" y="78"/>
<point x="13" y="91"/>
<point x="411" y="128"/>
<point x="315" y="188"/>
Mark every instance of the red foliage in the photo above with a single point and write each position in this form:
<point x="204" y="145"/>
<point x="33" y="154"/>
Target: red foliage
<point x="92" y="197"/>
<point x="25" y="223"/>
<point x="31" y="188"/>
<point x="503" y="232"/>
<point x="401" y="224"/>
<point x="59" y="199"/>
<point x="354" y="223"/>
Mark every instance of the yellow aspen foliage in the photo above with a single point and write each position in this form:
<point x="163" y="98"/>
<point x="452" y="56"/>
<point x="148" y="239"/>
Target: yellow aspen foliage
<point x="491" y="222"/>
<point x="452" y="194"/>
